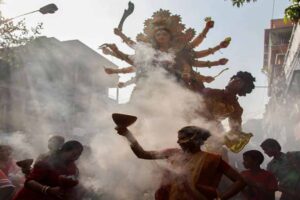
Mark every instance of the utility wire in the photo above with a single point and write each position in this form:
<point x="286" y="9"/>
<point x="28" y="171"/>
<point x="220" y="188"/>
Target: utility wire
<point x="273" y="9"/>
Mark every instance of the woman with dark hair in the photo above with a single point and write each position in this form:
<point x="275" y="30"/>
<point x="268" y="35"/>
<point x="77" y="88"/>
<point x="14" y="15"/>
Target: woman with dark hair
<point x="194" y="174"/>
<point x="54" y="177"/>
<point x="222" y="104"/>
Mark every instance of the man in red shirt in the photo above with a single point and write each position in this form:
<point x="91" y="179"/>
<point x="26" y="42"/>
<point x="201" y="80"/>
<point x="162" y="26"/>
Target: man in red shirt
<point x="261" y="183"/>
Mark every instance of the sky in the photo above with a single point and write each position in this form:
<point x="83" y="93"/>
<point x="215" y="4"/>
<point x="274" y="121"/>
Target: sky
<point x="92" y="22"/>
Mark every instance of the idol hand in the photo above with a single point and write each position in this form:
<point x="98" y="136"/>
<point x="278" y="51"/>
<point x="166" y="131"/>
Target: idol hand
<point x="210" y="24"/>
<point x="223" y="61"/>
<point x="109" y="70"/>
<point x="209" y="79"/>
<point x="117" y="31"/>
<point x="121" y="85"/>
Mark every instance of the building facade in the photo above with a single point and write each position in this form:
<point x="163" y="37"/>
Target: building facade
<point x="53" y="87"/>
<point x="281" y="62"/>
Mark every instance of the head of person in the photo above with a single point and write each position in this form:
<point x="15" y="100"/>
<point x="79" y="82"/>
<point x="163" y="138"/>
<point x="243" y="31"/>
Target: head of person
<point x="252" y="159"/>
<point x="70" y="151"/>
<point x="162" y="36"/>
<point x="55" y="143"/>
<point x="271" y="147"/>
<point x="190" y="138"/>
<point x="242" y="83"/>
<point x="5" y="152"/>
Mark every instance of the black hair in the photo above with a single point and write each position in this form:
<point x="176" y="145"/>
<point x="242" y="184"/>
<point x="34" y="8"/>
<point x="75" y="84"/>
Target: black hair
<point x="201" y="134"/>
<point x="71" y="145"/>
<point x="248" y="80"/>
<point x="255" y="155"/>
<point x="271" y="143"/>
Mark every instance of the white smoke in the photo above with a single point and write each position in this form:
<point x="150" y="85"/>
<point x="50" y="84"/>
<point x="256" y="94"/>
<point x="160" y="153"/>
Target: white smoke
<point x="161" y="104"/>
<point x="163" y="107"/>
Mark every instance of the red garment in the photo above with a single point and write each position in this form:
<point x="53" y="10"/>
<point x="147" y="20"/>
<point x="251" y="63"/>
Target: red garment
<point x="262" y="177"/>
<point x="6" y="188"/>
<point x="10" y="167"/>
<point x="47" y="173"/>
<point x="14" y="174"/>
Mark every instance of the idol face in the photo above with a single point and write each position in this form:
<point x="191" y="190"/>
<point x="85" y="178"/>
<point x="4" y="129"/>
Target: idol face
<point x="162" y="37"/>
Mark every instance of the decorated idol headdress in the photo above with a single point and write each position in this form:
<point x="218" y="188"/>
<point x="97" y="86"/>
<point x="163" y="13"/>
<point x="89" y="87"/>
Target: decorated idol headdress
<point x="163" y="19"/>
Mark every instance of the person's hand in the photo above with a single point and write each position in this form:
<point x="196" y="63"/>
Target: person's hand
<point x="122" y="130"/>
<point x="223" y="61"/>
<point x="117" y="31"/>
<point x="210" y="24"/>
<point x="109" y="70"/>
<point x="209" y="79"/>
<point x="121" y="85"/>
<point x="55" y="192"/>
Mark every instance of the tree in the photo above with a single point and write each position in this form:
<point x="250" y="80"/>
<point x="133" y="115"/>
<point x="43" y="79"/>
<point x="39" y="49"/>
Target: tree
<point x="240" y="3"/>
<point x="14" y="34"/>
<point x="291" y="13"/>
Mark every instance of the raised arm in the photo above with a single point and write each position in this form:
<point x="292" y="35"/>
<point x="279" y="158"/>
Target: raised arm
<point x="112" y="49"/>
<point x="199" y="63"/>
<point x="203" y="53"/>
<point x="198" y="40"/>
<point x="125" y="39"/>
<point x="138" y="149"/>
<point x="201" y="78"/>
<point x="124" y="70"/>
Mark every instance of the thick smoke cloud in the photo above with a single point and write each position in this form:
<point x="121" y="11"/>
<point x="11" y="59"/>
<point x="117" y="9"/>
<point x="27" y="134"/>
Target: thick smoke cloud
<point x="161" y="104"/>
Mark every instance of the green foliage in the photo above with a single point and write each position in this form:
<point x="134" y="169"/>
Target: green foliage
<point x="14" y="34"/>
<point x="292" y="13"/>
<point x="240" y="3"/>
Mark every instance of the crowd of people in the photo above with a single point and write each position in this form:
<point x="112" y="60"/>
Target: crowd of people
<point x="53" y="175"/>
<point x="192" y="172"/>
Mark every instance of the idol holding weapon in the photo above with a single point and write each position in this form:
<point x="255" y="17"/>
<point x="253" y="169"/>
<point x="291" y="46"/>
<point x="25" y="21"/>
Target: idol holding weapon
<point x="164" y="32"/>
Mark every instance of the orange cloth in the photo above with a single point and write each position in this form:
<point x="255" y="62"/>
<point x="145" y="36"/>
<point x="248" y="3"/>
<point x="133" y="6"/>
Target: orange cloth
<point x="195" y="177"/>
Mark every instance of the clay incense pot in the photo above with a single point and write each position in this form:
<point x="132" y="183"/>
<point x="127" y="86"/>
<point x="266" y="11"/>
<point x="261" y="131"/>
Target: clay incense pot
<point x="123" y="120"/>
<point x="25" y="163"/>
